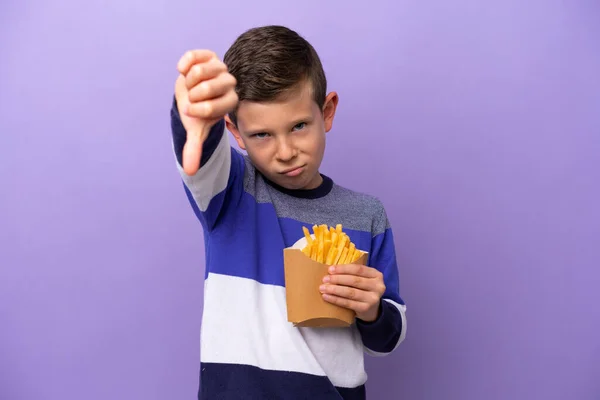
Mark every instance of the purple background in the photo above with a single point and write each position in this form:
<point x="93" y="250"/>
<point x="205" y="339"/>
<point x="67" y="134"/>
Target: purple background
<point x="478" y="125"/>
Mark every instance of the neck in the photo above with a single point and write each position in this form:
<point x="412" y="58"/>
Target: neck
<point x="315" y="182"/>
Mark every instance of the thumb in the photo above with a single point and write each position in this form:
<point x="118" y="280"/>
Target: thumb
<point x="192" y="152"/>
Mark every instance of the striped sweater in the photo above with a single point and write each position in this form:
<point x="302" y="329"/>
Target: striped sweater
<point x="249" y="350"/>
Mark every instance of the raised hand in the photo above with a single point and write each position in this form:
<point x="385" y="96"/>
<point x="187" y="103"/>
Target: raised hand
<point x="205" y="93"/>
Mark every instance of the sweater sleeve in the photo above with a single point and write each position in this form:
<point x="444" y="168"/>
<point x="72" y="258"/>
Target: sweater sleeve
<point x="385" y="334"/>
<point x="219" y="181"/>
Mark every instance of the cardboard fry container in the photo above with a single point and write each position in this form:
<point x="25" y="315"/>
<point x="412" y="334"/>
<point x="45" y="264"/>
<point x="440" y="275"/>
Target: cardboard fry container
<point x="305" y="304"/>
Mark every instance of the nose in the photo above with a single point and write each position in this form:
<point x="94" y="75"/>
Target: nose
<point x="286" y="150"/>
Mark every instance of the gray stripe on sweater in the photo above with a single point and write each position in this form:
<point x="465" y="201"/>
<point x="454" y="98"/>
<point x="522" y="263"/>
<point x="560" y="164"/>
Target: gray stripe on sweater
<point x="360" y="212"/>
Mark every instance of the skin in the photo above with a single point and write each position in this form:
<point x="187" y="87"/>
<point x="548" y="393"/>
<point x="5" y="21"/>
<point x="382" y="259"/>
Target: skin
<point x="285" y="140"/>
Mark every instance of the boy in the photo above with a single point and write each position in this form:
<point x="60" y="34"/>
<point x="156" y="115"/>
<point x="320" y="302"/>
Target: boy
<point x="270" y="93"/>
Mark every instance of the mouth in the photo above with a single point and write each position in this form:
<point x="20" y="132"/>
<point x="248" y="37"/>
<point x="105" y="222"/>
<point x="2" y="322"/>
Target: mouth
<point x="293" y="171"/>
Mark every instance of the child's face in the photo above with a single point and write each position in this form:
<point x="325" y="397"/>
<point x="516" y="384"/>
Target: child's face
<point x="285" y="139"/>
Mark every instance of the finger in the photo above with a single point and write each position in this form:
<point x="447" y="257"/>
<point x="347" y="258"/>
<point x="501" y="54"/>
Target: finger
<point x="192" y="151"/>
<point x="203" y="72"/>
<point x="193" y="57"/>
<point x="346" y="292"/>
<point x="215" y="108"/>
<point x="355" y="269"/>
<point x="357" y="306"/>
<point x="353" y="281"/>
<point x="212" y="88"/>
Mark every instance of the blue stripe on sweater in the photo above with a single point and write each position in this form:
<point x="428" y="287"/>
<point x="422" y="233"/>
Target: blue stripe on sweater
<point x="249" y="243"/>
<point x="383" y="256"/>
<point x="245" y="382"/>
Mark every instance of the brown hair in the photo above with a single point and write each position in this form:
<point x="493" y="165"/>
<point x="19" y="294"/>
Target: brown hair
<point x="269" y="61"/>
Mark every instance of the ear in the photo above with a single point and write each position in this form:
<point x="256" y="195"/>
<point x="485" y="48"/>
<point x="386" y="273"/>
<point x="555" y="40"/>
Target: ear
<point x="331" y="102"/>
<point x="235" y="132"/>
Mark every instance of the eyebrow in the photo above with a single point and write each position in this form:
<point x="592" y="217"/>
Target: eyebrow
<point x="305" y="118"/>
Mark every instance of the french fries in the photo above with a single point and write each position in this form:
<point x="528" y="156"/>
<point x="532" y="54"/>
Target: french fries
<point x="330" y="246"/>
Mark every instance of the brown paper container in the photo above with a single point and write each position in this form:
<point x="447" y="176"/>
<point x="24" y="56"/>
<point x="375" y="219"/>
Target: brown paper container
<point x="305" y="304"/>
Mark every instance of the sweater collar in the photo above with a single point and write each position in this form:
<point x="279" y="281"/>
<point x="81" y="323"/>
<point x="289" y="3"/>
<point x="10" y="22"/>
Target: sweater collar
<point x="320" y="191"/>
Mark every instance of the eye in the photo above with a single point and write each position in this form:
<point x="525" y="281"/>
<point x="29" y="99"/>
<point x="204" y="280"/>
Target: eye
<point x="261" y="135"/>
<point x="300" y="126"/>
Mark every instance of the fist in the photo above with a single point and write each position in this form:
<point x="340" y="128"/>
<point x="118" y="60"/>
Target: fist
<point x="205" y="93"/>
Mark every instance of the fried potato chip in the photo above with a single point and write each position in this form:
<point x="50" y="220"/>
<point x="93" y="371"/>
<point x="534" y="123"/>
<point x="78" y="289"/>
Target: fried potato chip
<point x="307" y="249"/>
<point x="350" y="254"/>
<point x="320" y="257"/>
<point x="309" y="238"/>
<point x="329" y="245"/>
